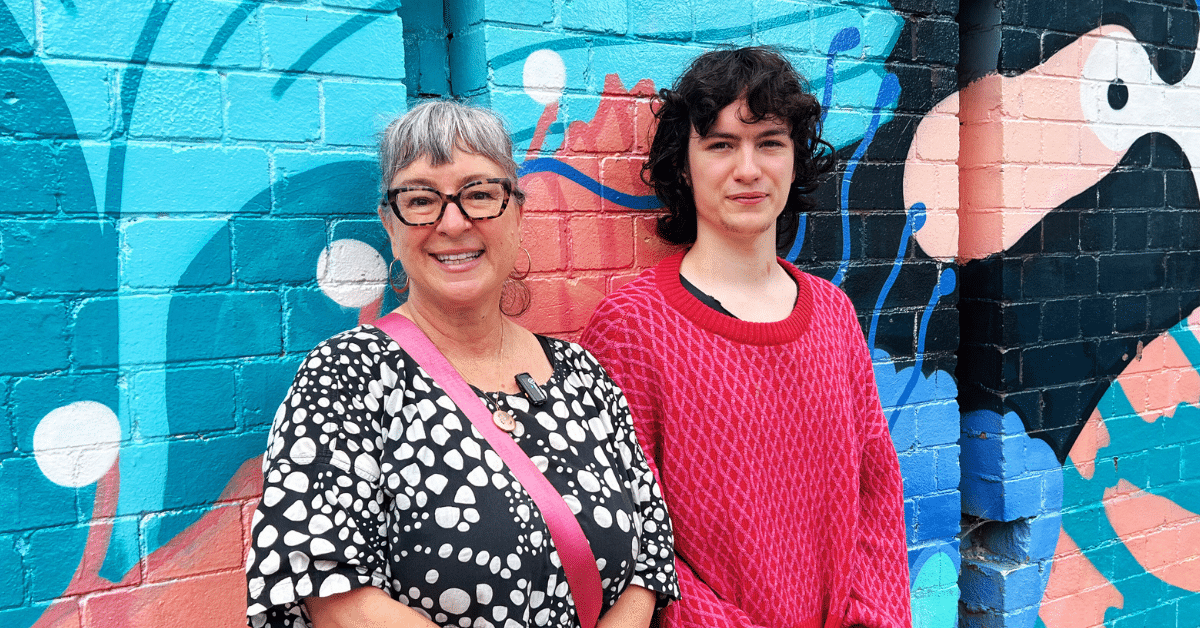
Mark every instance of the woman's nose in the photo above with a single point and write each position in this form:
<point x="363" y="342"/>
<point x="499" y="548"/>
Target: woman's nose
<point x="454" y="219"/>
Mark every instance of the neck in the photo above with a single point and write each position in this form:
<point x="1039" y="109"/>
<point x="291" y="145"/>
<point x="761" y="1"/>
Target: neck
<point x="725" y="259"/>
<point x="464" y="333"/>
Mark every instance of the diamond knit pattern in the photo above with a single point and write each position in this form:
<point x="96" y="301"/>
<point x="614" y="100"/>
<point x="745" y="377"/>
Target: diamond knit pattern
<point x="772" y="451"/>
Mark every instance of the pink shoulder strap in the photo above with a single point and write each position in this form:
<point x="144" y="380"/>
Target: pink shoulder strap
<point x="573" y="549"/>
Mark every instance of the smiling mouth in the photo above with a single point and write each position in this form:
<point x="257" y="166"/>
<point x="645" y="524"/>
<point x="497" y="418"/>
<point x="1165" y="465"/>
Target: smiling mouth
<point x="457" y="258"/>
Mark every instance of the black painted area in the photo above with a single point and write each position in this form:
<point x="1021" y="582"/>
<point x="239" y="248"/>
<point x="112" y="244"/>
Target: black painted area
<point x="1049" y="323"/>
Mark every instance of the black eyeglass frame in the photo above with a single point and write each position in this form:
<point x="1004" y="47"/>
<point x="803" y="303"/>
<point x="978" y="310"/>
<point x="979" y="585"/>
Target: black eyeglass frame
<point x="456" y="198"/>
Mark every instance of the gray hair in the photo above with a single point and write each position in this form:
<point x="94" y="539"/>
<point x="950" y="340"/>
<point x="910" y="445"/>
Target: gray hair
<point x="435" y="128"/>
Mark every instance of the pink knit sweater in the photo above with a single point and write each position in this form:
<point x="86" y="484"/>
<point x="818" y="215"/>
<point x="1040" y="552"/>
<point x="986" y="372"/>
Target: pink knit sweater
<point x="772" y="450"/>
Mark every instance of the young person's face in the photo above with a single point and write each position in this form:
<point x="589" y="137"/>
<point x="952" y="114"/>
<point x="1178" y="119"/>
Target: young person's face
<point x="740" y="173"/>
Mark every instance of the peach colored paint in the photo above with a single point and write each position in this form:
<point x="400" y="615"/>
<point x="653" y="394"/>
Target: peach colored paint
<point x="1162" y="536"/>
<point x="195" y="580"/>
<point x="1091" y="439"/>
<point x="1160" y="379"/>
<point x="1077" y="594"/>
<point x="1025" y="147"/>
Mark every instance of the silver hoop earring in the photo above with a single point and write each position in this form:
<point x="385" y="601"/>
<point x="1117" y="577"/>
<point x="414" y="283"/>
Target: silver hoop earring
<point x="519" y="275"/>
<point x="392" y="278"/>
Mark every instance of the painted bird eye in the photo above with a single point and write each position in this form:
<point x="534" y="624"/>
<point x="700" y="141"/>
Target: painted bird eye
<point x="1118" y="94"/>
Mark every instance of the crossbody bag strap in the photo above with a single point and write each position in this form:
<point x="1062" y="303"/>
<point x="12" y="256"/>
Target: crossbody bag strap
<point x="573" y="549"/>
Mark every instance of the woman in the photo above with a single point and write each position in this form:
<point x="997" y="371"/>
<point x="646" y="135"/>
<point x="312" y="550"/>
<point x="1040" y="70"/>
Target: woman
<point x="380" y="505"/>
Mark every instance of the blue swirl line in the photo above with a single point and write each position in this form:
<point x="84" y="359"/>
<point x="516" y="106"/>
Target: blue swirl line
<point x="846" y="39"/>
<point x="909" y="220"/>
<point x="945" y="286"/>
<point x="547" y="164"/>
<point x="798" y="243"/>
<point x="889" y="89"/>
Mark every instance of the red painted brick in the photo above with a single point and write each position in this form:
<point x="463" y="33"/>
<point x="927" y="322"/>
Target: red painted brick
<point x="648" y="248"/>
<point x="211" y="600"/>
<point x="543" y="238"/>
<point x="214" y="543"/>
<point x="601" y="242"/>
<point x="620" y="279"/>
<point x="562" y="306"/>
<point x="623" y="174"/>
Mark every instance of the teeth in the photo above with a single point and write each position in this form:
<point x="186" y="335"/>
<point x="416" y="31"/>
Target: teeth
<point x="458" y="257"/>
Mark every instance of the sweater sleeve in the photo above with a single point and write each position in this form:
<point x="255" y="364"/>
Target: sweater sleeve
<point x="879" y="593"/>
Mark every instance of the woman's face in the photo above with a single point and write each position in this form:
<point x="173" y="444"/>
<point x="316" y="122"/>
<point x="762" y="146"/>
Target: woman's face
<point x="455" y="262"/>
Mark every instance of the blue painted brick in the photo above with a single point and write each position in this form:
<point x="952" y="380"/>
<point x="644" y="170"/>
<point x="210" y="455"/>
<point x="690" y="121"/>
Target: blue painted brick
<point x="1000" y="587"/>
<point x="228" y="325"/>
<point x="661" y="62"/>
<point x="42" y="344"/>
<point x="526" y="12"/>
<point x="938" y="516"/>
<point x="220" y="179"/>
<point x="54" y="546"/>
<point x="256" y="111"/>
<point x="304" y="39"/>
<point x="948" y="475"/>
<point x="48" y="257"/>
<point x="312" y="317"/>
<point x="459" y="15"/>
<point x="597" y="16"/>
<point x="357" y="112"/>
<point x="93" y="343"/>
<point x="165" y="253"/>
<point x="384" y="6"/>
<point x="662" y="19"/>
<point x="200" y="489"/>
<point x="1190" y="465"/>
<point x="325" y="184"/>
<point x="34" y="397"/>
<point x="919" y="469"/>
<point x="507" y="50"/>
<point x="7" y="428"/>
<point x="73" y="29"/>
<point x="18" y="45"/>
<point x="1002" y="501"/>
<point x="89" y="96"/>
<point x="910" y="521"/>
<point x="715" y="26"/>
<point x="209" y="395"/>
<point x="262" y="385"/>
<point x="192" y="27"/>
<point x="794" y="25"/>
<point x="369" y="231"/>
<point x="12" y="574"/>
<point x="178" y="104"/>
<point x="29" y="112"/>
<point x="28" y="166"/>
<point x="29" y="501"/>
<point x="468" y="63"/>
<point x="938" y="423"/>
<point x="275" y="250"/>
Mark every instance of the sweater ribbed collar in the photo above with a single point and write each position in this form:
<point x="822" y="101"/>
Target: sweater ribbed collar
<point x="779" y="332"/>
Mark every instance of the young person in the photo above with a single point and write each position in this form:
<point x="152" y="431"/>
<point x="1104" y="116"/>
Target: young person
<point x="749" y="382"/>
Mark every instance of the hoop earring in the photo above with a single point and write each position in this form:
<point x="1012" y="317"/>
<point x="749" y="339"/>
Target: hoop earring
<point x="517" y="275"/>
<point x="392" y="278"/>
<point x="515" y="298"/>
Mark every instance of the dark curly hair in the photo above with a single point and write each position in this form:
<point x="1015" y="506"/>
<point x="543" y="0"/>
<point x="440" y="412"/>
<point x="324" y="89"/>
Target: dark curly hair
<point x="771" y="88"/>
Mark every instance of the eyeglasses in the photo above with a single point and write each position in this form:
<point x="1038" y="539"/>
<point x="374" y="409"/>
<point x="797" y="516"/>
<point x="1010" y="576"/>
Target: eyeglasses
<point x="418" y="206"/>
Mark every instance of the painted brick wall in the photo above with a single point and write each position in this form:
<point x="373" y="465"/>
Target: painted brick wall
<point x="188" y="207"/>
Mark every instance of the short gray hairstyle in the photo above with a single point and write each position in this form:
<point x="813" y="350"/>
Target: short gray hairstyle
<point x="435" y="128"/>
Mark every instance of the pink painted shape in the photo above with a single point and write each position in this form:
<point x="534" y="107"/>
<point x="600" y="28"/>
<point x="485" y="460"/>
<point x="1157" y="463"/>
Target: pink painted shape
<point x="201" y="569"/>
<point x="931" y="177"/>
<point x="1160" y="379"/>
<point x="1077" y="594"/>
<point x="1024" y="148"/>
<point x="1092" y="438"/>
<point x="1162" y="536"/>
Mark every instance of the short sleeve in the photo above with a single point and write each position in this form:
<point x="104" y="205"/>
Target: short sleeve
<point x="319" y="528"/>
<point x="654" y="568"/>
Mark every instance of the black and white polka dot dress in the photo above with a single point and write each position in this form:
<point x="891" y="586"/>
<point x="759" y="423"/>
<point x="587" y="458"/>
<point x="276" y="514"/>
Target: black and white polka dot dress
<point x="373" y="477"/>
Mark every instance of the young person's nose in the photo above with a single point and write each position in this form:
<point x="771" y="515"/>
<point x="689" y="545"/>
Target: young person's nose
<point x="747" y="166"/>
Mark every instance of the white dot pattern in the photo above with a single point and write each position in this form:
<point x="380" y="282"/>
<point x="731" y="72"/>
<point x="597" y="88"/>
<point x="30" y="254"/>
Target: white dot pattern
<point x="373" y="477"/>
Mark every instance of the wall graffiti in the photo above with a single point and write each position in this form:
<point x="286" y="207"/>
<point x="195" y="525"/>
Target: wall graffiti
<point x="190" y="206"/>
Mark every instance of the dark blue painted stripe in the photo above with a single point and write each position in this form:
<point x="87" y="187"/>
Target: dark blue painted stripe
<point x="557" y="167"/>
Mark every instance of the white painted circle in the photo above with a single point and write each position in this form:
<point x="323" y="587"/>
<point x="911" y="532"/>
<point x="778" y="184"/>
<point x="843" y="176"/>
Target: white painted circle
<point x="351" y="272"/>
<point x="545" y="76"/>
<point x="75" y="445"/>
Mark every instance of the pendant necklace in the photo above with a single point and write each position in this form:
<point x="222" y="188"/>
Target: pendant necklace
<point x="502" y="418"/>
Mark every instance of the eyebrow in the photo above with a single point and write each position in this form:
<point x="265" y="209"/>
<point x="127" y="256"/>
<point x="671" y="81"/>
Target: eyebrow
<point x="730" y="136"/>
<point x="430" y="183"/>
